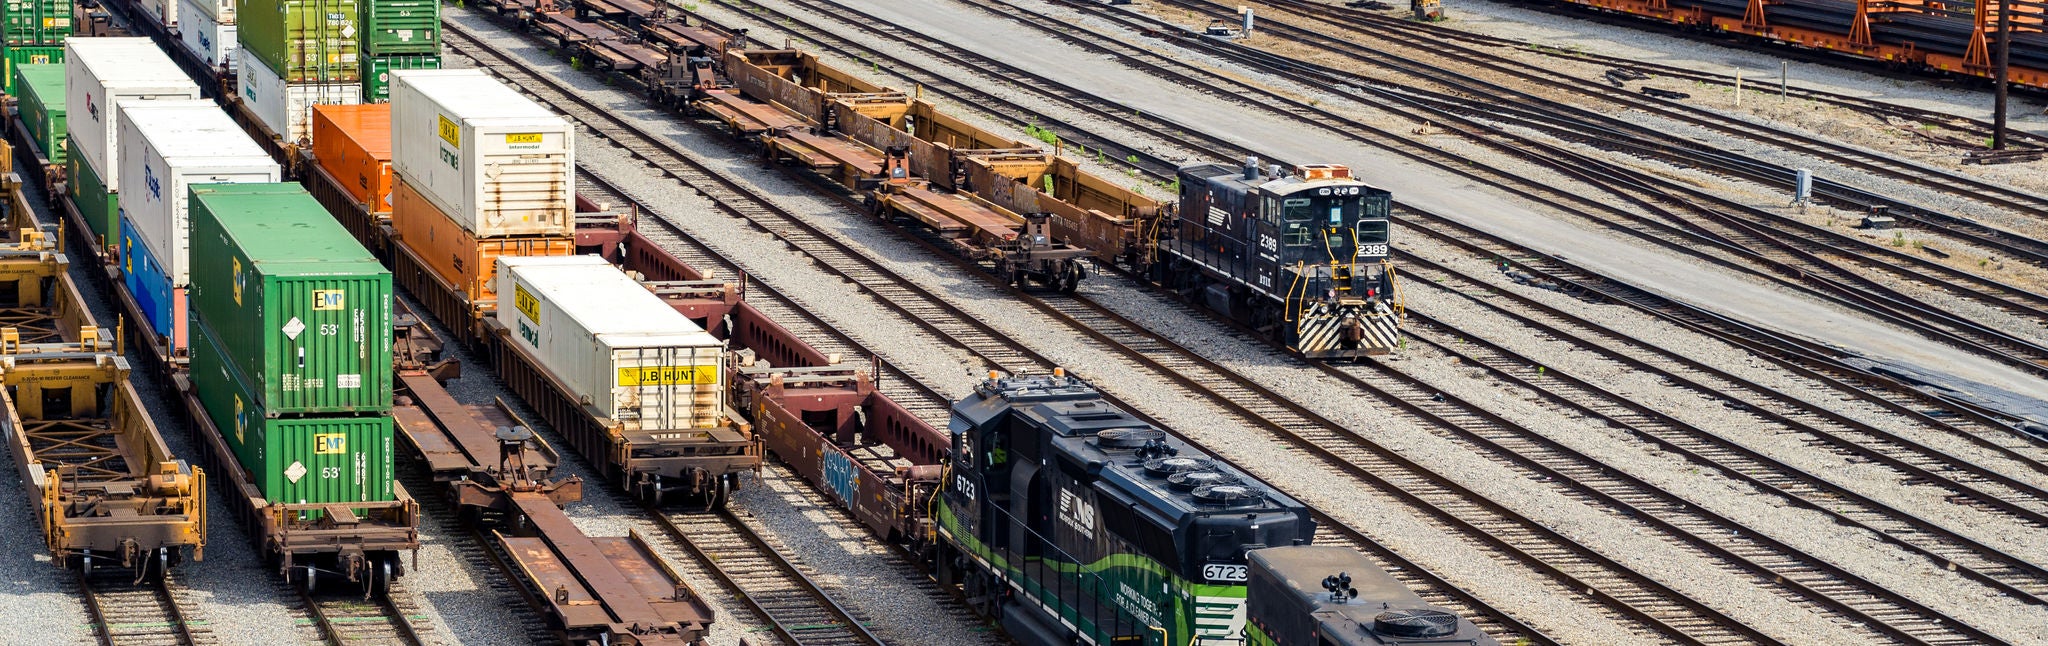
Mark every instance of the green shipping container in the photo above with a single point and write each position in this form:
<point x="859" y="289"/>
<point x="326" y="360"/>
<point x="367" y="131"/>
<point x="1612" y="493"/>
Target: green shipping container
<point x="40" y="96"/>
<point x="377" y="73"/>
<point x="293" y="459"/>
<point x="300" y="307"/>
<point x="36" y="22"/>
<point x="400" y="27"/>
<point x="102" y="210"/>
<point x="303" y="40"/>
<point x="27" y="55"/>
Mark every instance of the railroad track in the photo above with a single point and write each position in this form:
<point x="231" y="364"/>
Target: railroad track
<point x="1805" y="357"/>
<point x="1343" y="30"/>
<point x="348" y="618"/>
<point x="769" y="581"/>
<point x="148" y="613"/>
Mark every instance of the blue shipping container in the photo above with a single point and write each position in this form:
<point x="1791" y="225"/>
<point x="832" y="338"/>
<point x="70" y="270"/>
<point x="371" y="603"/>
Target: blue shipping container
<point x="147" y="280"/>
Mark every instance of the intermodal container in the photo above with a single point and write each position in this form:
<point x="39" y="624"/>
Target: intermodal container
<point x="205" y="35"/>
<point x="165" y="12"/>
<point x="300" y="307"/>
<point x="353" y="143"/>
<point x="149" y="283"/>
<point x="626" y="352"/>
<point x="12" y="56"/>
<point x="305" y="41"/>
<point x="99" y="75"/>
<point x="329" y="459"/>
<point x="100" y="207"/>
<point x="168" y="147"/>
<point x="220" y="11"/>
<point x="400" y="26"/>
<point x="489" y="157"/>
<point x="39" y="92"/>
<point x="465" y="262"/>
<point x="287" y="108"/>
<point x="377" y="72"/>
<point x="36" y="22"/>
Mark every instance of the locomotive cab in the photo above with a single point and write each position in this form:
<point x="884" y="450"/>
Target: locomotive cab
<point x="1302" y="255"/>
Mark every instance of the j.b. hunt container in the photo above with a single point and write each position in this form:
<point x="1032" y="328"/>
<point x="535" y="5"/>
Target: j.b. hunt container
<point x="165" y="148"/>
<point x="492" y="159"/>
<point x="39" y="93"/>
<point x="624" y="351"/>
<point x="100" y="74"/>
<point x="324" y="459"/>
<point x="286" y="108"/>
<point x="303" y="41"/>
<point x="299" y="306"/>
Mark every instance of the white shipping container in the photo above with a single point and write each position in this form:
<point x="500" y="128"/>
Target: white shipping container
<point x="493" y="160"/>
<point x="168" y="146"/>
<point x="164" y="11"/>
<point x="222" y="12"/>
<point x="206" y="36"/>
<point x="286" y="108"/>
<point x="100" y="74"/>
<point x="615" y="344"/>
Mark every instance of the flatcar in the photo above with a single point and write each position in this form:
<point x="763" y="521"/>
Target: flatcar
<point x="1317" y="595"/>
<point x="1302" y="255"/>
<point x="1074" y="521"/>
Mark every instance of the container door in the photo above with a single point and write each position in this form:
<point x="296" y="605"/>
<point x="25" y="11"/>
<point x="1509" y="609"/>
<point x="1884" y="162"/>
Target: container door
<point x="668" y="388"/>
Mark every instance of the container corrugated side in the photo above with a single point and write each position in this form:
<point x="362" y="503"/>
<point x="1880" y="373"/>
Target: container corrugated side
<point x="489" y="157"/>
<point x="310" y="41"/>
<point x="39" y="92"/>
<point x="12" y="56"/>
<point x="148" y="281"/>
<point x="205" y="35"/>
<point x="100" y="207"/>
<point x="36" y="22"/>
<point x="400" y="27"/>
<point x="329" y="459"/>
<point x="460" y="258"/>
<point x="377" y="71"/>
<point x="167" y="147"/>
<point x="616" y="344"/>
<point x="353" y="143"/>
<point x="287" y="108"/>
<point x="301" y="307"/>
<point x="221" y="12"/>
<point x="100" y="74"/>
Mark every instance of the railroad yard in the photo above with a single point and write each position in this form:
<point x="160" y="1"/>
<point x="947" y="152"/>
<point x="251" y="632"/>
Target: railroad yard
<point x="1159" y="322"/>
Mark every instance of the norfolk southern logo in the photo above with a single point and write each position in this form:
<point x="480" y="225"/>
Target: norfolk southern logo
<point x="156" y="189"/>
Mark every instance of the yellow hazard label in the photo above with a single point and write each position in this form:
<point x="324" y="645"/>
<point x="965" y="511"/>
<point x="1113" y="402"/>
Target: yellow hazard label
<point x="450" y="132"/>
<point x="523" y="138"/>
<point x="526" y="303"/>
<point x="329" y="299"/>
<point x="330" y="443"/>
<point x="668" y="376"/>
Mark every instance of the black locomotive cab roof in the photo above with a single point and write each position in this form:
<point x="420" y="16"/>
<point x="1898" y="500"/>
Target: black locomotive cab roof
<point x="1281" y="185"/>
<point x="1384" y="611"/>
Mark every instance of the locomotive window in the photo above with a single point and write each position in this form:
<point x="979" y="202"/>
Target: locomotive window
<point x="1372" y="231"/>
<point x="1298" y="228"/>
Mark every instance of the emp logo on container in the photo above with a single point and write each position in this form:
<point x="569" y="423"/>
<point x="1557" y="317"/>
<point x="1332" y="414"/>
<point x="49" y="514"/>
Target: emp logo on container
<point x="330" y="443"/>
<point x="328" y="299"/>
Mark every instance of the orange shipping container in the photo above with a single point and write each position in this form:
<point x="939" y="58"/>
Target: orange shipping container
<point x="453" y="252"/>
<point x="353" y="143"/>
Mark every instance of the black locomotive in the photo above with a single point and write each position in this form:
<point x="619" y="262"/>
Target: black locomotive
<point x="1301" y="256"/>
